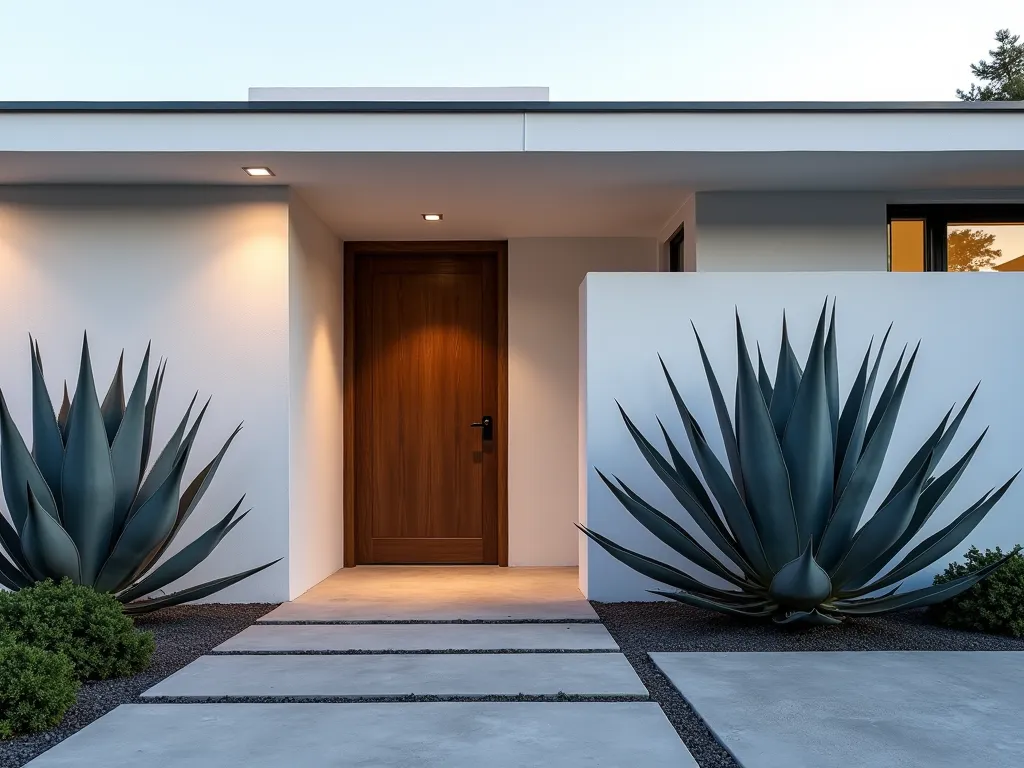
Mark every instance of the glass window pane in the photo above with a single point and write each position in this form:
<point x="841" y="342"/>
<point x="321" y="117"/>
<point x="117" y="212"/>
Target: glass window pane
<point x="906" y="245"/>
<point x="985" y="247"/>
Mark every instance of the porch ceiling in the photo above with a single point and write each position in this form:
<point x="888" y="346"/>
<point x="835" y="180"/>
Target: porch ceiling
<point x="485" y="195"/>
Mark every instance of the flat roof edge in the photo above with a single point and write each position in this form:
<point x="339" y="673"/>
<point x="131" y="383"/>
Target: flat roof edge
<point x="470" y="107"/>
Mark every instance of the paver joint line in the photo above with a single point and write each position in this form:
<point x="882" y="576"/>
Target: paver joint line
<point x="347" y="622"/>
<point x="400" y="699"/>
<point x="424" y="652"/>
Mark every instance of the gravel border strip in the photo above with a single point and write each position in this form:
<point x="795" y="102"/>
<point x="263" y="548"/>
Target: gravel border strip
<point x="409" y="698"/>
<point x="346" y="622"/>
<point x="404" y="652"/>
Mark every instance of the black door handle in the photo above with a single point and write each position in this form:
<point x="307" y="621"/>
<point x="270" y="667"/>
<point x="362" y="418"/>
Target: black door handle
<point x="487" y="425"/>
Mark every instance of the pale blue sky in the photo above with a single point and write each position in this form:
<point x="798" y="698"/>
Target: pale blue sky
<point x="628" y="50"/>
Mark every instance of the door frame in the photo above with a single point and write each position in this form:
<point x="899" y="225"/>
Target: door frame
<point x="499" y="251"/>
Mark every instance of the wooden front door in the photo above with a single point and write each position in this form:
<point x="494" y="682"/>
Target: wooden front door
<point x="427" y="419"/>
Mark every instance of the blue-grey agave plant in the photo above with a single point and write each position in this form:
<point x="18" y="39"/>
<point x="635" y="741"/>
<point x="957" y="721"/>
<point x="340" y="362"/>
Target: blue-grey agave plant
<point x="83" y="506"/>
<point x="785" y="514"/>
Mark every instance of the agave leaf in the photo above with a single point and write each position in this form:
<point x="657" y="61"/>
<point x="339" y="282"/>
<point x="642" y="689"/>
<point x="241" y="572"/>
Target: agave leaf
<point x="188" y="502"/>
<point x="164" y="463"/>
<point x="143" y="532"/>
<point x="126" y="448"/>
<point x="807" y="450"/>
<point x="190" y="438"/>
<point x="151" y="404"/>
<point x="112" y="406"/>
<point x="947" y="437"/>
<point x="763" y="379"/>
<point x="938" y="544"/>
<point x="684" y="470"/>
<point x="657" y="570"/>
<point x="11" y="545"/>
<point x="732" y="451"/>
<point x="671" y="533"/>
<point x="851" y="409"/>
<point x="19" y="470"/>
<point x="853" y="421"/>
<point x="11" y="576"/>
<point x="931" y="496"/>
<point x="185" y="560"/>
<point x="936" y="491"/>
<point x="882" y="530"/>
<point x="705" y="518"/>
<point x="197" y="488"/>
<point x="733" y="509"/>
<point x="48" y="549"/>
<point x="926" y="453"/>
<point x="87" y="480"/>
<point x="62" y="415"/>
<point x="832" y="376"/>
<point x="918" y="598"/>
<point x="773" y="532"/>
<point x="47" y="442"/>
<point x="686" y="474"/>
<point x="787" y="380"/>
<point x="883" y="399"/>
<point x="193" y="593"/>
<point x="847" y="514"/>
<point x="755" y="611"/>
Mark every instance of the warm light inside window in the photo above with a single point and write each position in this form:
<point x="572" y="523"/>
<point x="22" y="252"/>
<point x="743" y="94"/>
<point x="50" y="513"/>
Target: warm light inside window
<point x="432" y="217"/>
<point x="258" y="171"/>
<point x="906" y="245"/>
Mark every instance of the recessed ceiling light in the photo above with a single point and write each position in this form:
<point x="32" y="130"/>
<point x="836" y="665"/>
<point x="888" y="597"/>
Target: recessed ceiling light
<point x="432" y="216"/>
<point x="258" y="171"/>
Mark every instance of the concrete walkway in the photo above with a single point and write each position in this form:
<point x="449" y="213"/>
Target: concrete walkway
<point x="533" y="681"/>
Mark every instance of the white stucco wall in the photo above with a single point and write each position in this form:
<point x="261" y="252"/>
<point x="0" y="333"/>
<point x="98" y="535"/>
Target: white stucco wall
<point x="631" y="318"/>
<point x="316" y="351"/>
<point x="203" y="273"/>
<point x="544" y="276"/>
<point x="789" y="231"/>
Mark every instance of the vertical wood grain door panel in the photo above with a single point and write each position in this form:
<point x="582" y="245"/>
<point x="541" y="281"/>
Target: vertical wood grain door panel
<point x="425" y="367"/>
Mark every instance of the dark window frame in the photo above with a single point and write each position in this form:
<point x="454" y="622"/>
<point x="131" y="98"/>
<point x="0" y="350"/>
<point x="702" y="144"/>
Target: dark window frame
<point x="675" y="250"/>
<point x="938" y="217"/>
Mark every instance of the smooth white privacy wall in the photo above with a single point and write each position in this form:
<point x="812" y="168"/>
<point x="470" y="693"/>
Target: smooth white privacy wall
<point x="544" y="275"/>
<point x="316" y="349"/>
<point x="789" y="231"/>
<point x="203" y="273"/>
<point x="971" y="327"/>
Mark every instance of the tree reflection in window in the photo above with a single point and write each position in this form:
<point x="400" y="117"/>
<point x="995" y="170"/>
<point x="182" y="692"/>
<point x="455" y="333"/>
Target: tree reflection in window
<point x="993" y="247"/>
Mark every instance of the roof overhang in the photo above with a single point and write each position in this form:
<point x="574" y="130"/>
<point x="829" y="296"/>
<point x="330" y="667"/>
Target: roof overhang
<point x="516" y="169"/>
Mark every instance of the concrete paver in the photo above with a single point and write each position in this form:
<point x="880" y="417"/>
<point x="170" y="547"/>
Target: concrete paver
<point x="866" y="709"/>
<point x="268" y="638"/>
<point x="540" y="674"/>
<point x="425" y="735"/>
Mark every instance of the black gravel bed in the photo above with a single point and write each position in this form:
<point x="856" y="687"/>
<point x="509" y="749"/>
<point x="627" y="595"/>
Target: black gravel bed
<point x="430" y="652"/>
<point x="183" y="634"/>
<point x="346" y="622"/>
<point x="642" y="628"/>
<point x="412" y="698"/>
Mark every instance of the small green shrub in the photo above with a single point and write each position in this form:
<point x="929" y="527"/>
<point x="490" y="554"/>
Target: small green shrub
<point x="88" y="627"/>
<point x="36" y="688"/>
<point x="995" y="605"/>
